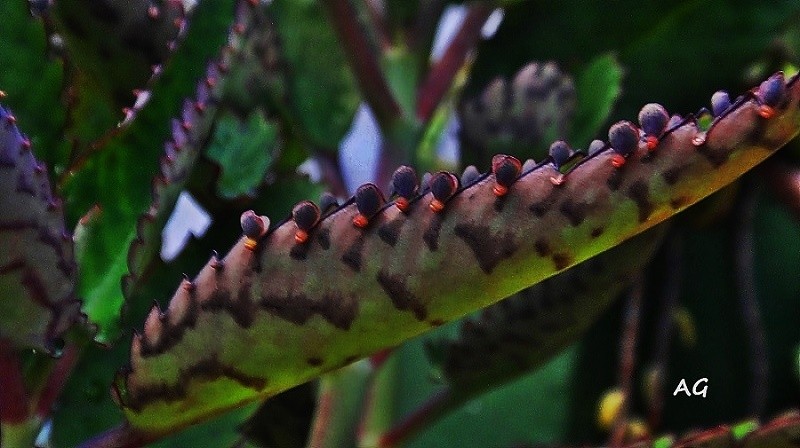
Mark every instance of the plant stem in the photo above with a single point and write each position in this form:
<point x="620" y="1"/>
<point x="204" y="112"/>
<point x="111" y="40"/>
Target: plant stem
<point x="13" y="398"/>
<point x="378" y="24"/>
<point x="627" y="360"/>
<point x="744" y="264"/>
<point x="670" y="292"/>
<point x="56" y="380"/>
<point x="441" y="75"/>
<point x="784" y="182"/>
<point x="364" y="62"/>
<point x="430" y="411"/>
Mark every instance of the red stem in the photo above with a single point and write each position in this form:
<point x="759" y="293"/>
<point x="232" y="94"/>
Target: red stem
<point x="56" y="380"/>
<point x="671" y="291"/>
<point x="441" y="75"/>
<point x="378" y="24"/>
<point x="364" y="62"/>
<point x="627" y="360"/>
<point x="119" y="437"/>
<point x="13" y="398"/>
<point x="411" y="425"/>
<point x="322" y="418"/>
<point x="784" y="181"/>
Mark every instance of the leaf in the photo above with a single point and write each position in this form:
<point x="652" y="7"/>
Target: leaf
<point x="117" y="43"/>
<point x="29" y="95"/>
<point x="599" y="87"/>
<point x="303" y="308"/>
<point x="37" y="267"/>
<point x="125" y="166"/>
<point x="86" y="406"/>
<point x="244" y="149"/>
<point x="322" y="90"/>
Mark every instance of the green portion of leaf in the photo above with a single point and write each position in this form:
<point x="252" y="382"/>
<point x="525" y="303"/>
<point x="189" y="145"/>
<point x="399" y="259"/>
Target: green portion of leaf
<point x="244" y="149"/>
<point x="117" y="177"/>
<point x="32" y="82"/>
<point x="221" y="432"/>
<point x="323" y="91"/>
<point x="599" y="87"/>
<point x="504" y="417"/>
<point x="85" y="407"/>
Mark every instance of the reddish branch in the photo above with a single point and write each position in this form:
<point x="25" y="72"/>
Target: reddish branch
<point x="417" y="420"/>
<point x="784" y="181"/>
<point x="671" y="290"/>
<point x="744" y="264"/>
<point x="13" y="398"/>
<point x="627" y="360"/>
<point x="441" y="75"/>
<point x="364" y="62"/>
<point x="56" y="380"/>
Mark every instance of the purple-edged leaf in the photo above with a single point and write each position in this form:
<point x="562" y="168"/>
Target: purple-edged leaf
<point x="37" y="267"/>
<point x="118" y="175"/>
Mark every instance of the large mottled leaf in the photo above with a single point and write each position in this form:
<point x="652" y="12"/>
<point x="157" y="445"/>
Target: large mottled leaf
<point x="86" y="407"/>
<point x="117" y="176"/>
<point x="37" y="267"/>
<point x="510" y="340"/>
<point x="303" y="298"/>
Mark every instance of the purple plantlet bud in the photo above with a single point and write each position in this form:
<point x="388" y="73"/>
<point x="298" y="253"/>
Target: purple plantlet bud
<point x="596" y="146"/>
<point x="306" y="215"/>
<point x="443" y="186"/>
<point x="720" y="102"/>
<point x="623" y="137"/>
<point x="528" y="165"/>
<point x="506" y="169"/>
<point x="653" y="119"/>
<point x="470" y="175"/>
<point x="328" y="202"/>
<point x="560" y="152"/>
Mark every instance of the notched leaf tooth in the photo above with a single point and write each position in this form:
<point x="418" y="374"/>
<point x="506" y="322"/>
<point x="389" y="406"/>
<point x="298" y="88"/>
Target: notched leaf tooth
<point x="182" y="306"/>
<point x="153" y="326"/>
